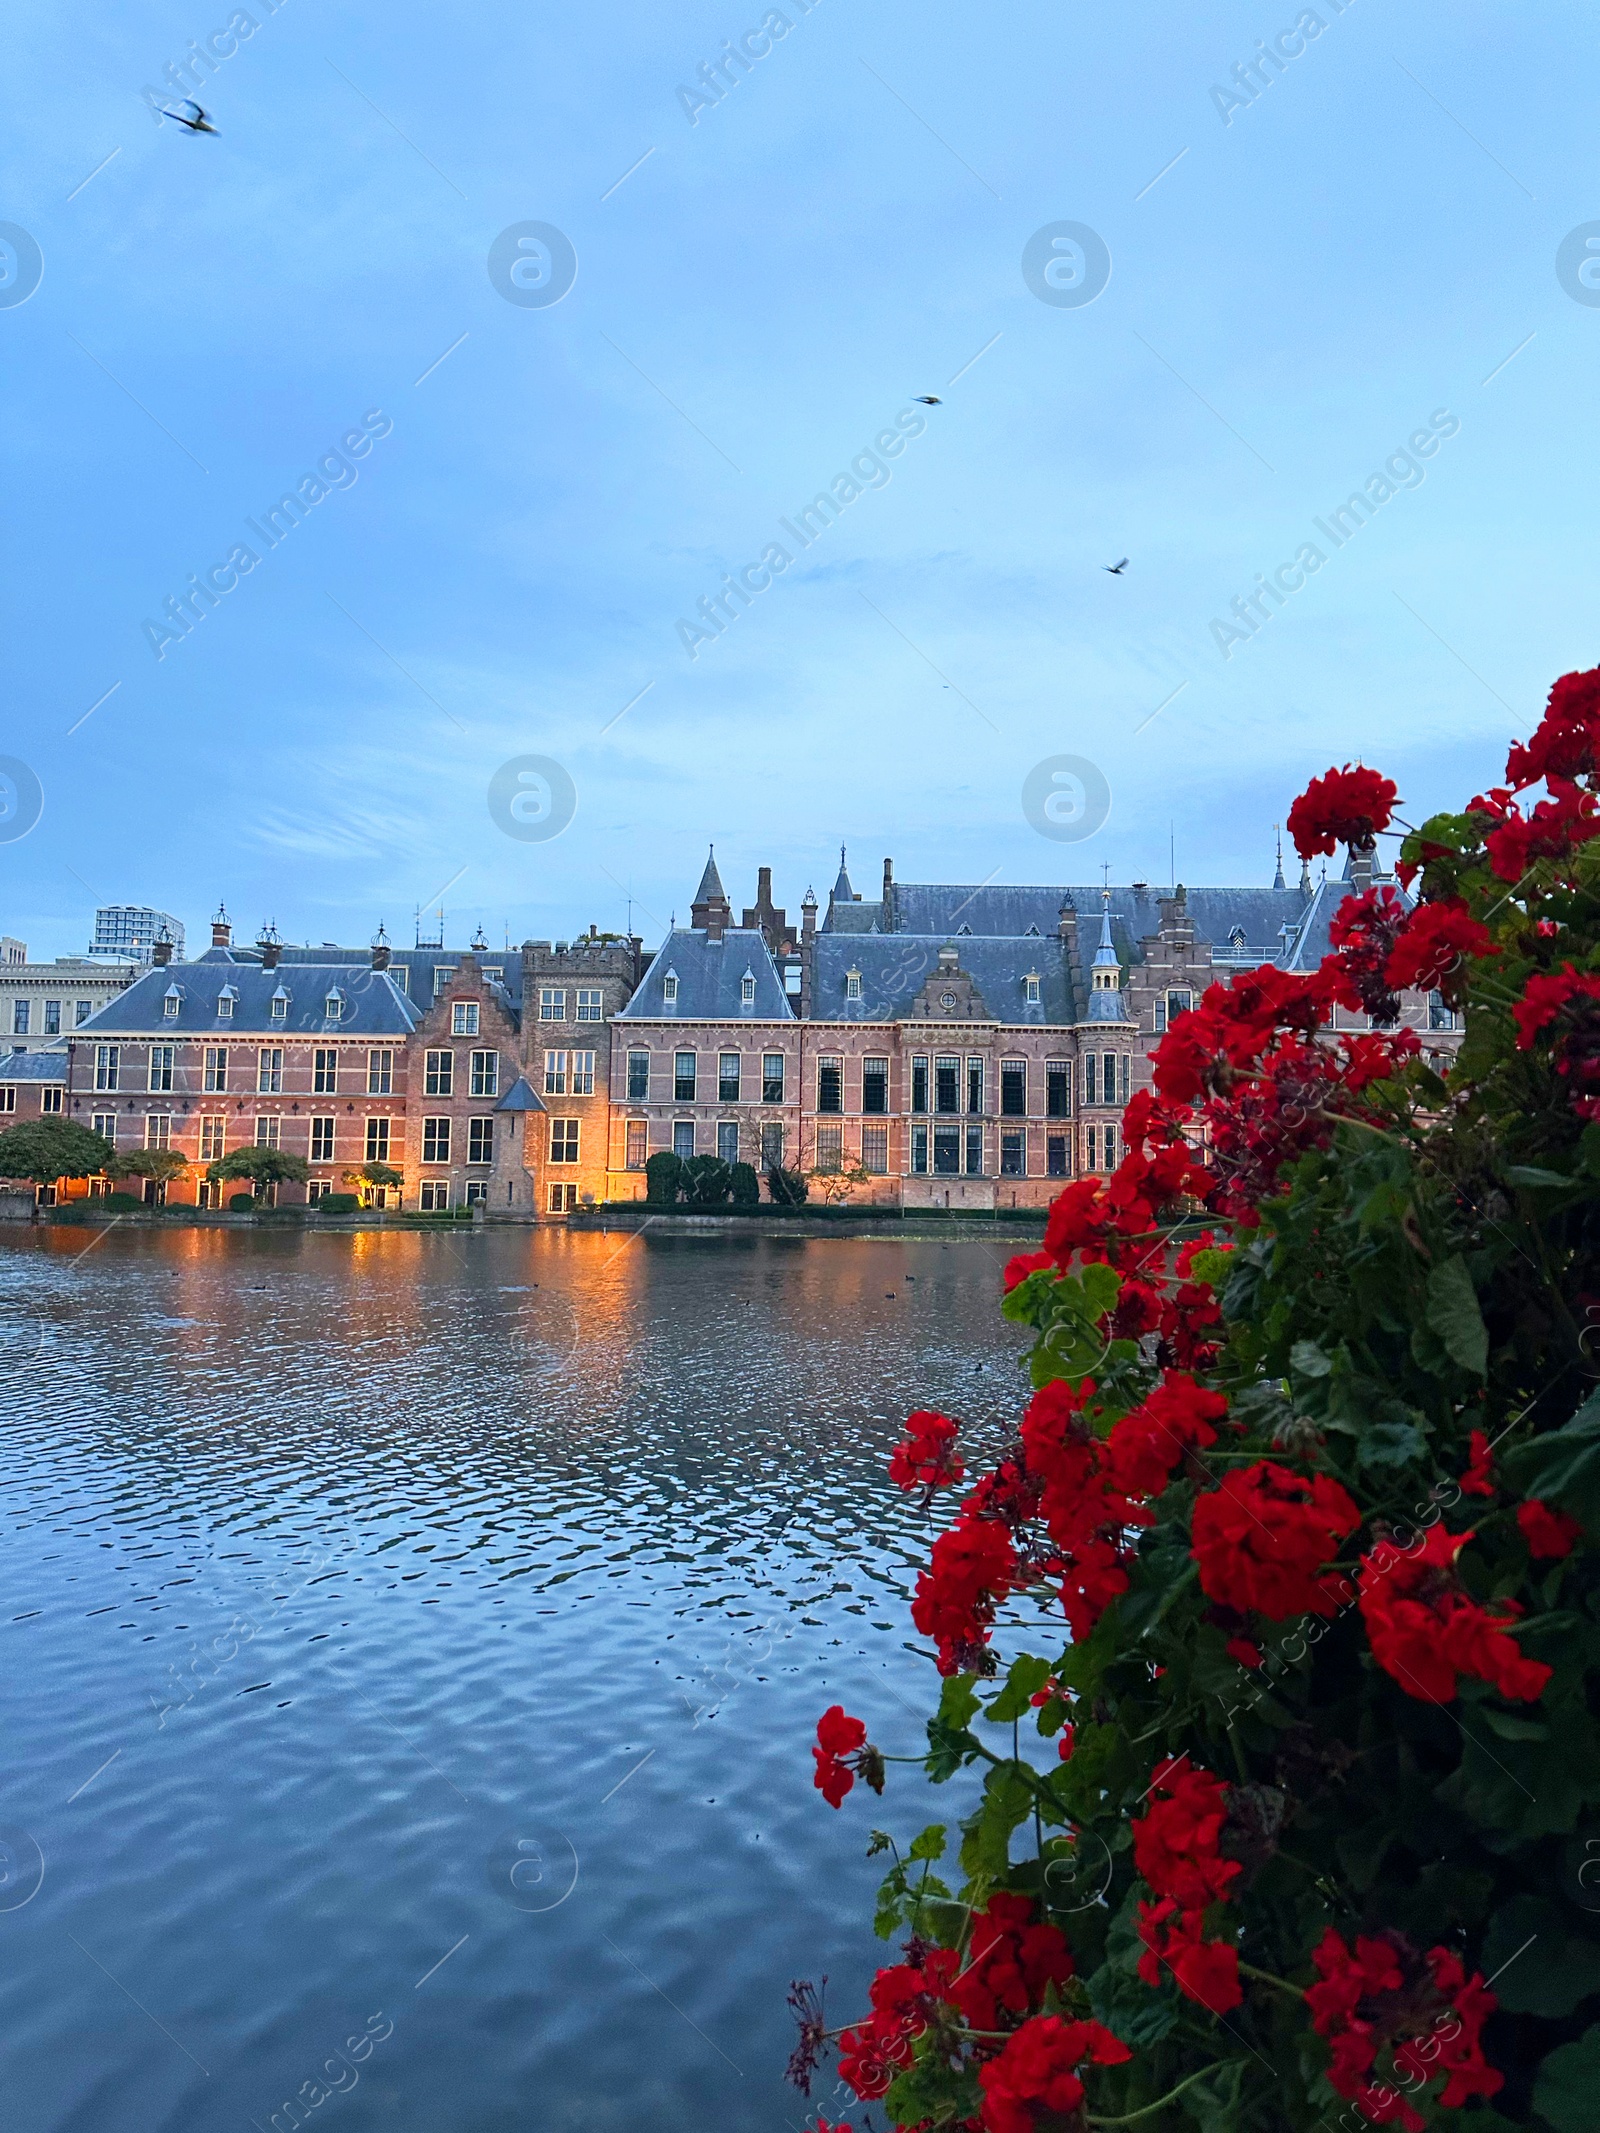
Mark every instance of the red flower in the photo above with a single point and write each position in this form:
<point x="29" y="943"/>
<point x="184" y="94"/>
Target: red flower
<point x="1364" y="930"/>
<point x="1554" y="829"/>
<point x="838" y="1736"/>
<point x="926" y="1455"/>
<point x="1244" y="1651"/>
<point x="1430" y="2012"/>
<point x="1175" y="1841"/>
<point x="1206" y="1971"/>
<point x="972" y="1569"/>
<point x="1264" y="1539"/>
<point x="1549" y="1534"/>
<point x="1342" y="807"/>
<point x="1025" y="1263"/>
<point x="1563" y="744"/>
<point x="1011" y="1959"/>
<point x="1566" y="998"/>
<point x="1036" y="2074"/>
<point x="1479" y="1479"/>
<point x="1169" y="1423"/>
<point x="872" y="2053"/>
<point x="1433" y="945"/>
<point x="1425" y="1629"/>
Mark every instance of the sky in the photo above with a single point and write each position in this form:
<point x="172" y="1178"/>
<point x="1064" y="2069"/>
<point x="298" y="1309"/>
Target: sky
<point x="1307" y="270"/>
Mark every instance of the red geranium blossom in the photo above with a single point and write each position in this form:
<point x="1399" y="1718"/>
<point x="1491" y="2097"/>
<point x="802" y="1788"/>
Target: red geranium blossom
<point x="1554" y="830"/>
<point x="1549" y="1534"/>
<point x="1174" y="1420"/>
<point x="872" y="2053"/>
<point x="1479" y="1479"/>
<point x="1175" y="1841"/>
<point x="1563" y="744"/>
<point x="1346" y="806"/>
<point x="1036" y="2075"/>
<point x="1011" y="1958"/>
<point x="1426" y="1629"/>
<point x="1427" y="2011"/>
<point x="838" y="1737"/>
<point x="1206" y="1971"/>
<point x="926" y="1457"/>
<point x="1564" y="1001"/>
<point x="1433" y="945"/>
<point x="1264" y="1539"/>
<point x="1018" y="1269"/>
<point x="972" y="1569"/>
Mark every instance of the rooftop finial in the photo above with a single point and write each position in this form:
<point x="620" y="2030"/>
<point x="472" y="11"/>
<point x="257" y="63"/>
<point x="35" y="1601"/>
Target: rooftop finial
<point x="1277" y="878"/>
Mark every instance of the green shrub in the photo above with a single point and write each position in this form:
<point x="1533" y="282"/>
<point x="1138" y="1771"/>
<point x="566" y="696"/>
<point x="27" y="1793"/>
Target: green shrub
<point x="239" y="1203"/>
<point x="664" y="1178"/>
<point x="707" y="1181"/>
<point x="339" y="1203"/>
<point x="121" y="1203"/>
<point x="745" y="1185"/>
<point x="786" y="1188"/>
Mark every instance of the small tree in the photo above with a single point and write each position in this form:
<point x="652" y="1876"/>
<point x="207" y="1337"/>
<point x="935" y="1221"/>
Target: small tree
<point x="258" y="1167"/>
<point x="663" y="1178"/>
<point x="834" y="1185"/>
<point x="381" y="1177"/>
<point x="707" y="1181"/>
<point x="745" y="1185"/>
<point x="786" y="1188"/>
<point x="45" y="1149"/>
<point x="162" y="1164"/>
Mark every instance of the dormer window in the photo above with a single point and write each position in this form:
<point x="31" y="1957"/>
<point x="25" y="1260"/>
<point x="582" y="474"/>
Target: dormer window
<point x="1033" y="932"/>
<point x="747" y="989"/>
<point x="669" y="989"/>
<point x="333" y="1005"/>
<point x="280" y="1005"/>
<point x="225" y="1000"/>
<point x="171" y="1001"/>
<point x="1236" y="940"/>
<point x="1030" y="989"/>
<point x="852" y="984"/>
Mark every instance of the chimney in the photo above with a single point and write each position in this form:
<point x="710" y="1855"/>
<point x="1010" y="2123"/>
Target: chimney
<point x="270" y="952"/>
<point x="1360" y="870"/>
<point x="380" y="950"/>
<point x="888" y="880"/>
<point x="221" y="931"/>
<point x="808" y="951"/>
<point x="161" y="953"/>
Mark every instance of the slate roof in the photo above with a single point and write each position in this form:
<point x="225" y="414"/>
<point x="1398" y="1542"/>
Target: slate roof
<point x="418" y="964"/>
<point x="948" y="908"/>
<point x="895" y="967"/>
<point x="711" y="890"/>
<point x="373" y="1004"/>
<point x="855" y="918"/>
<point x="33" y="1066"/>
<point x="522" y="1096"/>
<point x="709" y="975"/>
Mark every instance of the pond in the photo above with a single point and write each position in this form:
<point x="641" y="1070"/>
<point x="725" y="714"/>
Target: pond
<point x="413" y="1648"/>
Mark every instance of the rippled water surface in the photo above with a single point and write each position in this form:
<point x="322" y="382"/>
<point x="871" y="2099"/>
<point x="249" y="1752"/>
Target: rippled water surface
<point x="422" y="1636"/>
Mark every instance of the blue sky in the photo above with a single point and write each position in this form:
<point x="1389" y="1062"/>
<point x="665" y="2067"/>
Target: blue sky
<point x="1295" y="296"/>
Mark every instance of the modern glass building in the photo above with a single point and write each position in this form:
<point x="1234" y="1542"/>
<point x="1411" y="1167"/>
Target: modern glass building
<point x="130" y="931"/>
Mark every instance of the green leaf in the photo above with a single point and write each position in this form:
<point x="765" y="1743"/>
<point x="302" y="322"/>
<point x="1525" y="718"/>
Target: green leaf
<point x="1563" y="1465"/>
<point x="930" y="1844"/>
<point x="1535" y="1180"/>
<point x="1453" y="1313"/>
<point x="1568" y="2083"/>
<point x="1541" y="1965"/>
<point x="1025" y="1674"/>
<point x="1390" y="1444"/>
<point x="1308" y="1359"/>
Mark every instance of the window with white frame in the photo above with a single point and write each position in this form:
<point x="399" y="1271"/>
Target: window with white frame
<point x="438" y="1073"/>
<point x="158" y="1129"/>
<point x="563" y="1140"/>
<point x="325" y="1070"/>
<point x="486" y="1073"/>
<point x="480" y="1140"/>
<point x="875" y="1150"/>
<point x="747" y="989"/>
<point x="8" y="1099"/>
<point x="161" y="1062"/>
<point x="683" y="1077"/>
<point x="1055" y="1155"/>
<point x="772" y="1077"/>
<point x="212" y="1131"/>
<point x="669" y="988"/>
<point x="557" y="1065"/>
<point x="52" y="1018"/>
<point x="636" y="1144"/>
<point x="1013" y="1088"/>
<point x="215" y="1070"/>
<point x="21" y="1013"/>
<point x="322" y="1140"/>
<point x="830" y="1084"/>
<point x="441" y="977"/>
<point x="433" y="1197"/>
<point x="269" y="1071"/>
<point x="552" y="1003"/>
<point x="477" y="1191"/>
<point x="81" y="1011"/>
<point x="852" y="984"/>
<point x="1030" y="990"/>
<point x="1013" y="1155"/>
<point x="830" y="1148"/>
<point x="583" y="1073"/>
<point x="380" y="1072"/>
<point x="107" y="1066"/>
<point x="683" y="1139"/>
<point x="377" y="1140"/>
<point x="875" y="1086"/>
<point x="269" y="1132"/>
<point x="728" y="1140"/>
<point x="638" y="1077"/>
<point x="436" y="1140"/>
<point x="563" y="1199"/>
<point x="225" y="1000"/>
<point x="588" y="1003"/>
<point x="333" y="1006"/>
<point x="1057" y="1089"/>
<point x="105" y="1124"/>
<point x="170" y="1003"/>
<point x="728" y="1074"/>
<point x="280" y="1005"/>
<point x="52" y="1100"/>
<point x="464" y="1018"/>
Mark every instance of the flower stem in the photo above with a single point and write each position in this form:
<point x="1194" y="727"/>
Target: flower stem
<point x="1266" y="1978"/>
<point x="1160" y="2103"/>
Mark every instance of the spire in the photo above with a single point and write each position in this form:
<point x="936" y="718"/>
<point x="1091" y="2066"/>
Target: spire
<point x="842" y="891"/>
<point x="1305" y="877"/>
<point x="1278" y="881"/>
<point x="710" y="889"/>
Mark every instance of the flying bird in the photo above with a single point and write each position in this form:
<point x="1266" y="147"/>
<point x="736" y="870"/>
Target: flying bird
<point x="928" y="399"/>
<point x="200" y="123"/>
<point x="1116" y="569"/>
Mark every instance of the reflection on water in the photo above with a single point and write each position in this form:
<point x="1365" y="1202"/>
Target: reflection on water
<point x="413" y="1648"/>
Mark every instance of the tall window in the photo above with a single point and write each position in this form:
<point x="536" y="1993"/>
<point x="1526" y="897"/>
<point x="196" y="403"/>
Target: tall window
<point x="322" y="1140"/>
<point x="1057" y="1090"/>
<point x="772" y="1077"/>
<point x="212" y="1130"/>
<point x="480" y="1140"/>
<point x="683" y="1139"/>
<point x="1030" y="991"/>
<point x="1091" y="1080"/>
<point x="269" y="1132"/>
<point x="728" y="1064"/>
<point x="81" y="1011"/>
<point x="852" y="984"/>
<point x="974" y="1084"/>
<point x="555" y="1073"/>
<point x="380" y="1073"/>
<point x="1111" y="1147"/>
<point x="947" y="1084"/>
<point x="563" y="1140"/>
<point x="52" y="1018"/>
<point x="1091" y="1145"/>
<point x="1013" y="1088"/>
<point x="438" y="1073"/>
<point x="1108" y="1078"/>
<point x="377" y="1140"/>
<point x="21" y="1011"/>
<point x="830" y="1084"/>
<point x="875" y="1150"/>
<point x="161" y="1058"/>
<point x="171" y="1001"/>
<point x="637" y="1144"/>
<point x="919" y="1151"/>
<point x="875" y="1086"/>
<point x="8" y="1100"/>
<point x="772" y="1144"/>
<point x="683" y="1077"/>
<point x="669" y="989"/>
<point x="1055" y="1155"/>
<point x="588" y="1003"/>
<point x="486" y="1073"/>
<point x="947" y="1151"/>
<point x="552" y="1003"/>
<point x="638" y="1077"/>
<point x="464" y="1018"/>
<point x="436" y="1140"/>
<point x="269" y="1071"/>
<point x="830" y="1148"/>
<point x="583" y="1073"/>
<point x="107" y="1065"/>
<point x="1012" y="1148"/>
<point x="747" y="990"/>
<point x="158" y="1129"/>
<point x="324" y="1071"/>
<point x="441" y="977"/>
<point x="975" y="1151"/>
<point x="728" y="1139"/>
<point x="919" y="1087"/>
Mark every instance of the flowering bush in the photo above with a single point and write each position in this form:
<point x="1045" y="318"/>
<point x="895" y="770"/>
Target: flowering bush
<point x="1290" y="1570"/>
